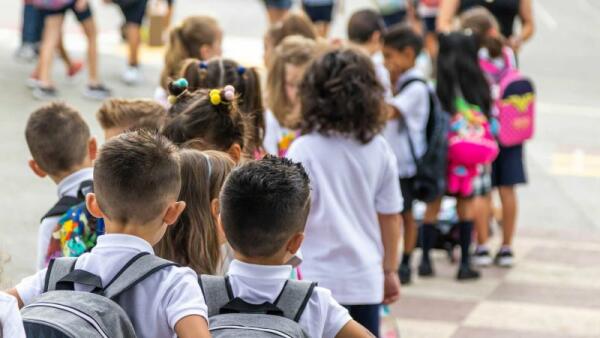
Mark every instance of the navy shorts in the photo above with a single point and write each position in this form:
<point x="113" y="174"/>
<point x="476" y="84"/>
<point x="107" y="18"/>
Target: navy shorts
<point x="367" y="316"/>
<point x="279" y="4"/>
<point x="81" y="16"/>
<point x="319" y="13"/>
<point x="509" y="168"/>
<point x="134" y="12"/>
<point x="394" y="18"/>
<point x="408" y="193"/>
<point x="429" y="24"/>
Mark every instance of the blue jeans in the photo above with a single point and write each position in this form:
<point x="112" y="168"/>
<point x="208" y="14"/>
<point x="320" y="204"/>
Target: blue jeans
<point x="33" y="25"/>
<point x="367" y="316"/>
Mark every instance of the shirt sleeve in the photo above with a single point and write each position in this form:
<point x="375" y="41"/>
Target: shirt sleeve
<point x="184" y="297"/>
<point x="31" y="287"/>
<point x="413" y="101"/>
<point x="388" y="199"/>
<point x="11" y="324"/>
<point x="335" y="316"/>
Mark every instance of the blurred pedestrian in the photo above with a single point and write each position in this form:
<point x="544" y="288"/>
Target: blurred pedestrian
<point x="320" y="12"/>
<point x="277" y="9"/>
<point x="31" y="32"/>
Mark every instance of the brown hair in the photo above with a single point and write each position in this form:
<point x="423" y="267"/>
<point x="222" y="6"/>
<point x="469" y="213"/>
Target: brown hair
<point x="294" y="50"/>
<point x="135" y="176"/>
<point x="185" y="41"/>
<point x="57" y="137"/>
<point x="131" y="114"/>
<point x="480" y="21"/>
<point x="340" y="94"/>
<point x="295" y="23"/>
<point x="193" y="241"/>
<point x="246" y="81"/>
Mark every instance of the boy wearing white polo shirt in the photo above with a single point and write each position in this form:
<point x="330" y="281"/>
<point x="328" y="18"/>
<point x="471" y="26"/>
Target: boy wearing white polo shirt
<point x="264" y="206"/>
<point x="137" y="182"/>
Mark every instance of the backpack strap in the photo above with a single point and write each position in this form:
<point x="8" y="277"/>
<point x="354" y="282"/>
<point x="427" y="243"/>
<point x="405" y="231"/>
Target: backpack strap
<point x="140" y="267"/>
<point x="66" y="202"/>
<point x="217" y="292"/>
<point x="57" y="269"/>
<point x="431" y="110"/>
<point x="294" y="297"/>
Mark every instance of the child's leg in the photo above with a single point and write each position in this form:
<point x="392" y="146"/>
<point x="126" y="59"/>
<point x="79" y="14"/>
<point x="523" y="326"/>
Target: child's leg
<point x="89" y="29"/>
<point x="508" y="197"/>
<point x="64" y="55"/>
<point x="483" y="212"/>
<point x="466" y="214"/>
<point x="428" y="236"/>
<point x="133" y="41"/>
<point x="51" y="39"/>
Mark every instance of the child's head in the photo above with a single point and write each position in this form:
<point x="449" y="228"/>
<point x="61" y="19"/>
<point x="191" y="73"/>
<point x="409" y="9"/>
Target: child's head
<point x="366" y="28"/>
<point x="295" y="23"/>
<point x="290" y="59"/>
<point x="458" y="72"/>
<point x="197" y="37"/>
<point x="119" y="115"/>
<point x="218" y="73"/>
<point x="340" y="94"/>
<point x="485" y="28"/>
<point x="59" y="141"/>
<point x="136" y="184"/>
<point x="264" y="207"/>
<point x="401" y="46"/>
<point x="195" y="239"/>
<point x="208" y="116"/>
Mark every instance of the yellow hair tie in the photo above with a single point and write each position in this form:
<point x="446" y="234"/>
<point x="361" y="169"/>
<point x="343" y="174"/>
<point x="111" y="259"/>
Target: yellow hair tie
<point x="172" y="99"/>
<point x="215" y="97"/>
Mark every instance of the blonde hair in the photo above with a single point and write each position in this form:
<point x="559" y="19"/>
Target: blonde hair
<point x="131" y="114"/>
<point x="185" y="42"/>
<point x="294" y="23"/>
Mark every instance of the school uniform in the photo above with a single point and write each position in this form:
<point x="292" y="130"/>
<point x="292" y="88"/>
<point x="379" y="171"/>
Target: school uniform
<point x="383" y="75"/>
<point x="69" y="186"/>
<point x="11" y="324"/>
<point x="256" y="284"/>
<point x="155" y="305"/>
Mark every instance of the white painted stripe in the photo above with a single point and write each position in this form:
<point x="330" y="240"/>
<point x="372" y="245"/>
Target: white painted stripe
<point x="544" y="15"/>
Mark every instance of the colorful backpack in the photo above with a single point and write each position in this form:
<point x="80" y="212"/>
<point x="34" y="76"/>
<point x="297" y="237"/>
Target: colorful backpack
<point x="515" y="101"/>
<point x="52" y="4"/>
<point x="286" y="141"/>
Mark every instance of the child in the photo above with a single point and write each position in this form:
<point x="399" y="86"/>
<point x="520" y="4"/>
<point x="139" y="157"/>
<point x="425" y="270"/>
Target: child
<point x="406" y="129"/>
<point x="459" y="72"/>
<point x="285" y="73"/>
<point x="296" y="23"/>
<point x="117" y="116"/>
<point x="11" y="324"/>
<point x="209" y="117"/>
<point x="218" y="73"/>
<point x="354" y="224"/>
<point x="197" y="37"/>
<point x="264" y="206"/>
<point x="137" y="214"/>
<point x="195" y="240"/>
<point x="61" y="147"/>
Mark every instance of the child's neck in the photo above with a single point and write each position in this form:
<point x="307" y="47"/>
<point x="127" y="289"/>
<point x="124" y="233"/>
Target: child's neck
<point x="61" y="176"/>
<point x="276" y="260"/>
<point x="146" y="232"/>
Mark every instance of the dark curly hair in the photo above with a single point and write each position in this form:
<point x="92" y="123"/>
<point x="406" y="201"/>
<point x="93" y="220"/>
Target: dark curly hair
<point x="340" y="93"/>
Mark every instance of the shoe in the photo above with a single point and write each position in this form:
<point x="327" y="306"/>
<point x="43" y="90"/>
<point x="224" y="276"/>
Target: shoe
<point x="32" y="82"/>
<point x="45" y="93"/>
<point x="97" y="92"/>
<point x="132" y="76"/>
<point x="504" y="258"/>
<point x="26" y="53"/>
<point x="466" y="273"/>
<point x="405" y="274"/>
<point x="426" y="269"/>
<point x="75" y="68"/>
<point x="482" y="258"/>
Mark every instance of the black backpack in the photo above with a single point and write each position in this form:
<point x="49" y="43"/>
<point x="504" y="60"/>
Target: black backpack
<point x="430" y="179"/>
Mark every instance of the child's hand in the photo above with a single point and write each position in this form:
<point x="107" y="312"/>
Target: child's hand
<point x="391" y="288"/>
<point x="81" y="5"/>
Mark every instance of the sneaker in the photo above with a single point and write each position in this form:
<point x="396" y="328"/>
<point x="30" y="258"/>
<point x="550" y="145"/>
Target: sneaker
<point x="32" y="82"/>
<point x="504" y="258"/>
<point x="465" y="272"/>
<point x="45" y="93"/>
<point x="97" y="92"/>
<point x="482" y="258"/>
<point x="405" y="274"/>
<point x="26" y="53"/>
<point x="426" y="269"/>
<point x="75" y="69"/>
<point x="132" y="76"/>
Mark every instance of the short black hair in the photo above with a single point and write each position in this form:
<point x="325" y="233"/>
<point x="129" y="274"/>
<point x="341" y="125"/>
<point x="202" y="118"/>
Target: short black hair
<point x="363" y="24"/>
<point x="401" y="36"/>
<point x="263" y="203"/>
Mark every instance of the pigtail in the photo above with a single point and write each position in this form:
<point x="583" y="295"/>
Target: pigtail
<point x="252" y="105"/>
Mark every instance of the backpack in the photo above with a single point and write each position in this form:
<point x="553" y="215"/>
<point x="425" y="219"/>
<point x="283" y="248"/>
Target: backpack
<point x="52" y="4"/>
<point x="77" y="230"/>
<point x="430" y="179"/>
<point x="515" y="103"/>
<point x="231" y="317"/>
<point x="61" y="312"/>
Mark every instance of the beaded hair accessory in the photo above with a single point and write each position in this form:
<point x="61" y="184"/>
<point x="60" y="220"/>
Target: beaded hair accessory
<point x="177" y="88"/>
<point x="217" y="96"/>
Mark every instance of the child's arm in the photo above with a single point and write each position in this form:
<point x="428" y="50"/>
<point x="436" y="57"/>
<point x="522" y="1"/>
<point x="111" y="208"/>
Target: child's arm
<point x="13" y="292"/>
<point x="192" y="327"/>
<point x="353" y="330"/>
<point x="390" y="234"/>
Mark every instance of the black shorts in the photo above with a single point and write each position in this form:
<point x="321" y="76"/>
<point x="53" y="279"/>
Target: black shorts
<point x="278" y="4"/>
<point x="429" y="24"/>
<point x="134" y="12"/>
<point x="319" y="13"/>
<point x="81" y="16"/>
<point x="509" y="168"/>
<point x="408" y="193"/>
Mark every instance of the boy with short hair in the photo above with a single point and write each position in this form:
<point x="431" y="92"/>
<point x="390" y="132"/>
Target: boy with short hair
<point x="62" y="148"/>
<point x="137" y="182"/>
<point x="117" y="116"/>
<point x="264" y="207"/>
<point x="401" y="46"/>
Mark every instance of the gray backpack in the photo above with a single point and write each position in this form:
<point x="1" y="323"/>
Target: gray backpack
<point x="61" y="312"/>
<point x="231" y="317"/>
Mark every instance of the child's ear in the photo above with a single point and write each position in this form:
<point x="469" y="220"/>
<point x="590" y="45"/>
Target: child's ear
<point x="36" y="169"/>
<point x="295" y="242"/>
<point x="92" y="205"/>
<point x="220" y="231"/>
<point x="235" y="151"/>
<point x="215" y="208"/>
<point x="173" y="212"/>
<point x="93" y="148"/>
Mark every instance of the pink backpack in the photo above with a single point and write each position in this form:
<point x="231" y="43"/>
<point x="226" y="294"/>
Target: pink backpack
<point x="515" y="101"/>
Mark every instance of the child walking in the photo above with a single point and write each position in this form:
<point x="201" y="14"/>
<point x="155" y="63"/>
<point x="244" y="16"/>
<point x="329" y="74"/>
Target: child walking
<point x="354" y="223"/>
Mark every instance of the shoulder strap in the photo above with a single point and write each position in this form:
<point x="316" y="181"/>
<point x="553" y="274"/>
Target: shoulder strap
<point x="294" y="297"/>
<point x="58" y="268"/>
<point x="431" y="108"/>
<point x="217" y="292"/>
<point x="411" y="81"/>
<point x="133" y="272"/>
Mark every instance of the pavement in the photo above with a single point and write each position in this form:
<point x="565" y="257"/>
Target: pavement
<point x="554" y="289"/>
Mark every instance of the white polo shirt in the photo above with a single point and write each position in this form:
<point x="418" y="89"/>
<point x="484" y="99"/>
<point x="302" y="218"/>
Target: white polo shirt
<point x="69" y="186"/>
<point x="383" y="75"/>
<point x="11" y="324"/>
<point x="256" y="284"/>
<point x="351" y="183"/>
<point x="155" y="305"/>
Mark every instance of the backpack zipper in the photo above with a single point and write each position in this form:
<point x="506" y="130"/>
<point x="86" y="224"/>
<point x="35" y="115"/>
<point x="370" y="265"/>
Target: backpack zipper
<point x="237" y="327"/>
<point x="90" y="320"/>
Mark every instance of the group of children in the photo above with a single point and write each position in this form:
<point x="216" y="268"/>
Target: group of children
<point x="309" y="177"/>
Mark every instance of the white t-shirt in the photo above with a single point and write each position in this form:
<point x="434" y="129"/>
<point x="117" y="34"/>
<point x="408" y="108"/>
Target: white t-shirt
<point x="256" y="284"/>
<point x="69" y="186"/>
<point x="155" y="305"/>
<point x="11" y="324"/>
<point x="413" y="104"/>
<point x="351" y="183"/>
<point x="275" y="134"/>
<point x="382" y="74"/>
